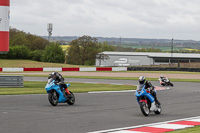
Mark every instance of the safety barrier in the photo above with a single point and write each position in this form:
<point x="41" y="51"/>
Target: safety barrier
<point x="163" y="69"/>
<point x="64" y="69"/>
<point x="11" y="81"/>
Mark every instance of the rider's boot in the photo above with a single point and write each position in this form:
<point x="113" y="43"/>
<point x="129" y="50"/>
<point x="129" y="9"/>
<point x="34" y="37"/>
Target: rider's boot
<point x="64" y="93"/>
<point x="157" y="102"/>
<point x="69" y="95"/>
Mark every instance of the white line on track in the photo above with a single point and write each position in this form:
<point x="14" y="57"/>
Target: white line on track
<point x="95" y="92"/>
<point x="111" y="91"/>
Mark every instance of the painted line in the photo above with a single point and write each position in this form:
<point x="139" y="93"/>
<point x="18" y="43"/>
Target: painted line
<point x="159" y="124"/>
<point x="127" y="131"/>
<point x="151" y="129"/>
<point x="94" y="92"/>
<point x="184" y="123"/>
<point x="171" y="126"/>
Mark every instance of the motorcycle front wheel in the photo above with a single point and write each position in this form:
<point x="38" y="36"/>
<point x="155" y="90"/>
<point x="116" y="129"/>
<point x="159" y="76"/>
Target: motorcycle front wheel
<point x="144" y="108"/>
<point x="159" y="109"/>
<point x="71" y="101"/>
<point x="53" y="98"/>
<point x="171" y="84"/>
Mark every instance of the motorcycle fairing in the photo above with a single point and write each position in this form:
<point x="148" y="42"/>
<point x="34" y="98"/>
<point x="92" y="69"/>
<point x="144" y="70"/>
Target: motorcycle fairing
<point x="52" y="86"/>
<point x="142" y="92"/>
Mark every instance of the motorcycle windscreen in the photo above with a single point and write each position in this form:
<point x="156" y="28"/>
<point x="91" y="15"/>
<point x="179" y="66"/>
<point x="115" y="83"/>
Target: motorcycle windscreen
<point x="140" y="87"/>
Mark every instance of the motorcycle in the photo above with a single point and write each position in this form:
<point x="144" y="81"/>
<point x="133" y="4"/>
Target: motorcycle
<point x="55" y="94"/>
<point x="165" y="82"/>
<point x="146" y="101"/>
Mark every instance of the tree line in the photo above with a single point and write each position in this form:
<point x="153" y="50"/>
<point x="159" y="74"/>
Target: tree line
<point x="32" y="47"/>
<point x="82" y="51"/>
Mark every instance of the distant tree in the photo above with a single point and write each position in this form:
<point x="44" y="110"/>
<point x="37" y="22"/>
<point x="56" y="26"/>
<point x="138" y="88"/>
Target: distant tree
<point x="36" y="42"/>
<point x="33" y="42"/>
<point x="53" y="53"/>
<point x="104" y="46"/>
<point x="37" y="55"/>
<point x="18" y="38"/>
<point x="83" y="51"/>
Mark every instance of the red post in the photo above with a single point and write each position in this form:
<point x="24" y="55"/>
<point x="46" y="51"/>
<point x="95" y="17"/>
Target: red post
<point x="4" y="25"/>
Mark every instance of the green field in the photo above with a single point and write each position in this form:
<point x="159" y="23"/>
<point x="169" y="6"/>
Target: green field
<point x="37" y="87"/>
<point x="165" y="49"/>
<point x="162" y="48"/>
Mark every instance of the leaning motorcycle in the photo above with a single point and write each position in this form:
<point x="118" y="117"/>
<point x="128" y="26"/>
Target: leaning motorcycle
<point x="165" y="82"/>
<point x="55" y="94"/>
<point x="146" y="101"/>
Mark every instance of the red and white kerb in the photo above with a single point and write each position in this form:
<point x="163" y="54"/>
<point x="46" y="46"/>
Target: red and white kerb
<point x="4" y="25"/>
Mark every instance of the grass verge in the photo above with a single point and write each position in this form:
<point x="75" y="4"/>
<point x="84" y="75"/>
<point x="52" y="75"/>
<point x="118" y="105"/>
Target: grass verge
<point x="114" y="78"/>
<point x="195" y="129"/>
<point x="29" y="64"/>
<point x="37" y="87"/>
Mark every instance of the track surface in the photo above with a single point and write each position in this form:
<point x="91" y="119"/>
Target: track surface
<point x="93" y="112"/>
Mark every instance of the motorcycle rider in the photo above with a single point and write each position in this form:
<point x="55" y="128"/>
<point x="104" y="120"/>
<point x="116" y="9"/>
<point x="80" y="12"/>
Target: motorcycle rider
<point x="163" y="78"/>
<point x="59" y="80"/>
<point x="148" y="85"/>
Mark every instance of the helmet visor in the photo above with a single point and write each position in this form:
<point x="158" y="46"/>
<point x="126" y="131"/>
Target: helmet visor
<point x="141" y="82"/>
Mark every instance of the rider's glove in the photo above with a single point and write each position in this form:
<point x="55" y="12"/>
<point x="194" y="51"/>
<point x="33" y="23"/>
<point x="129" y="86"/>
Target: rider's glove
<point x="59" y="83"/>
<point x="56" y="82"/>
<point x="152" y="88"/>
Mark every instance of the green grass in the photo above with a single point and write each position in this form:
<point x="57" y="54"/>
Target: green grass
<point x="131" y="78"/>
<point x="29" y="64"/>
<point x="111" y="78"/>
<point x="195" y="129"/>
<point x="37" y="87"/>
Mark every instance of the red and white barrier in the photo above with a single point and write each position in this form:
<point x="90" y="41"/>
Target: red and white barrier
<point x="4" y="25"/>
<point x="81" y="69"/>
<point x="12" y="69"/>
<point x="87" y="69"/>
<point x="119" y="68"/>
<point x="52" y="69"/>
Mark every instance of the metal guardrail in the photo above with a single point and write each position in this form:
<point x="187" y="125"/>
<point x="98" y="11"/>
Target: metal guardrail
<point x="11" y="81"/>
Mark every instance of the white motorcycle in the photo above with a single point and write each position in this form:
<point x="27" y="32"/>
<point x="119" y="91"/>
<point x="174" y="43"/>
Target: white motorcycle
<point x="165" y="82"/>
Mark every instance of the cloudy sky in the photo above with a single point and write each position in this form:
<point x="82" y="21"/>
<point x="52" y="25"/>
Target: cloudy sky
<point x="166" y="19"/>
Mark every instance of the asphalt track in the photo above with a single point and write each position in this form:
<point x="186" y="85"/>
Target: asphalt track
<point x="94" y="112"/>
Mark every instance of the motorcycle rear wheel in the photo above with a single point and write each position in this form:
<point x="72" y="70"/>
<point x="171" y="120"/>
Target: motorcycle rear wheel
<point x="144" y="108"/>
<point x="71" y="101"/>
<point x="53" y="98"/>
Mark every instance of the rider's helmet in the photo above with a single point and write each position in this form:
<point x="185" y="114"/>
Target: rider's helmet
<point x="142" y="80"/>
<point x="161" y="76"/>
<point x="53" y="75"/>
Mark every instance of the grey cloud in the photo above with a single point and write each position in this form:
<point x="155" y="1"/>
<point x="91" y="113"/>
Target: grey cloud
<point x="109" y="18"/>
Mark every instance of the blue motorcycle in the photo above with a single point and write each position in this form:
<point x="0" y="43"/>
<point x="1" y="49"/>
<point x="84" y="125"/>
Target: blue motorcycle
<point x="55" y="94"/>
<point x="146" y="101"/>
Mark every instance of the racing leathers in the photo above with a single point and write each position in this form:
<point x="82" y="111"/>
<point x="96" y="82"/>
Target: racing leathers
<point x="149" y="86"/>
<point x="59" y="80"/>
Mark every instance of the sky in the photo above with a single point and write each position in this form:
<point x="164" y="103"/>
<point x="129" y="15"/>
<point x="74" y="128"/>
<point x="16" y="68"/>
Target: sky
<point x="152" y="19"/>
